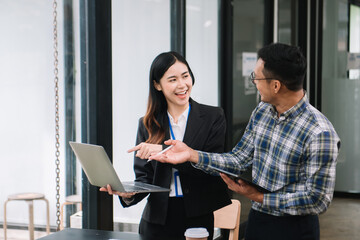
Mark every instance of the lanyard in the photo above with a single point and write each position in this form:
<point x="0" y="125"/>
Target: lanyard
<point x="171" y="130"/>
<point x="176" y="177"/>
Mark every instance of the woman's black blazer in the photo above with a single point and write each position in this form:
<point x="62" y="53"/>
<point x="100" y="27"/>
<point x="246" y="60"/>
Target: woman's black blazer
<point x="202" y="193"/>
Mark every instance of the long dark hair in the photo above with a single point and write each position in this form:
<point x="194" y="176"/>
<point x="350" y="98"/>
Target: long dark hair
<point x="157" y="105"/>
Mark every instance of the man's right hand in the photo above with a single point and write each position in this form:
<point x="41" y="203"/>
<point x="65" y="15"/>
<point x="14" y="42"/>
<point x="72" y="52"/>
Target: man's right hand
<point x="180" y="153"/>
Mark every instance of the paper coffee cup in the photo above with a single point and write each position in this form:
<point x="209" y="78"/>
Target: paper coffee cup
<point x="196" y="234"/>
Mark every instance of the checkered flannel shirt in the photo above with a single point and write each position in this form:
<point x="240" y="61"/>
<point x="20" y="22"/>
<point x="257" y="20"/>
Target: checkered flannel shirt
<point x="293" y="156"/>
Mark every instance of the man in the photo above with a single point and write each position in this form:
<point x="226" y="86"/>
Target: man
<point x="291" y="146"/>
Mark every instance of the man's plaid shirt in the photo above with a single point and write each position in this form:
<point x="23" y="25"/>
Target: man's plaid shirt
<point x="293" y="156"/>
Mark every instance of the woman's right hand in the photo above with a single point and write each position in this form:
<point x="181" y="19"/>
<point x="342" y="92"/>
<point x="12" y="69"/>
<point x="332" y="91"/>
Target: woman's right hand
<point x="144" y="150"/>
<point x="108" y="189"/>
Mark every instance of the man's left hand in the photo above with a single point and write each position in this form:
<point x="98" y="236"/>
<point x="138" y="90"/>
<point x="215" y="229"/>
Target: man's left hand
<point x="243" y="188"/>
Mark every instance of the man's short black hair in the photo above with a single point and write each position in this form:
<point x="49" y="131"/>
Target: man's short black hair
<point x="285" y="63"/>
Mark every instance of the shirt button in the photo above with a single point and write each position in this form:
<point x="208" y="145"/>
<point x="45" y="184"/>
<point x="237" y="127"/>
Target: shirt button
<point x="186" y="190"/>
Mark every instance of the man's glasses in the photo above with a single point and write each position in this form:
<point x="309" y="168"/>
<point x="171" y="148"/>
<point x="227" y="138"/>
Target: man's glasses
<point x="252" y="77"/>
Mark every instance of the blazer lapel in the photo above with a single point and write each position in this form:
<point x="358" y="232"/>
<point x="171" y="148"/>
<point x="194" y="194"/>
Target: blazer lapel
<point x="167" y="168"/>
<point x="194" y="123"/>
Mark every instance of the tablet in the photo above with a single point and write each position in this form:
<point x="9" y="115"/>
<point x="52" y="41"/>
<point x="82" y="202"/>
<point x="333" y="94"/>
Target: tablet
<point x="245" y="176"/>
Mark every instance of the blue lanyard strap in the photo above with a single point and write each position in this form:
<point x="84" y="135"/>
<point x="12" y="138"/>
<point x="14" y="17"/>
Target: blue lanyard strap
<point x="171" y="130"/>
<point x="176" y="173"/>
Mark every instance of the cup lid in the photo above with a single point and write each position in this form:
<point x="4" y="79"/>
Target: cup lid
<point x="196" y="232"/>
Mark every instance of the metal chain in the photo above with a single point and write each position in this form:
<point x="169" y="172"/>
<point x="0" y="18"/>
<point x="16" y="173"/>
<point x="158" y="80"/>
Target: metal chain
<point x="57" y="134"/>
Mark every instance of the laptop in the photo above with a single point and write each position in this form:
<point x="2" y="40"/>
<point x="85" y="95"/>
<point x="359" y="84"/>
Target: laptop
<point x="245" y="176"/>
<point x="100" y="171"/>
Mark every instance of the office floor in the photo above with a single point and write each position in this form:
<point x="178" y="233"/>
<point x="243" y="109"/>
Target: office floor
<point x="340" y="222"/>
<point x="15" y="234"/>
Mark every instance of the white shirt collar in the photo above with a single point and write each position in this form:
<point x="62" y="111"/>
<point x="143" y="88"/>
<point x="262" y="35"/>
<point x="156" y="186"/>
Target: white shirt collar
<point x="179" y="127"/>
<point x="182" y="118"/>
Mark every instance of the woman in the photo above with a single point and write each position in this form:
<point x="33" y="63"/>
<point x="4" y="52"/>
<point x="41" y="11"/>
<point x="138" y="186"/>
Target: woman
<point x="171" y="113"/>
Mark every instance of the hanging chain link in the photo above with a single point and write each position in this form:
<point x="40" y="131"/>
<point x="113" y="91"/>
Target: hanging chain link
<point x="57" y="134"/>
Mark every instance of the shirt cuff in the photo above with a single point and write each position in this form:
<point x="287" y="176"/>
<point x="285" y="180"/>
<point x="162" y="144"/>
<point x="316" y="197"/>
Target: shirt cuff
<point x="203" y="160"/>
<point x="271" y="200"/>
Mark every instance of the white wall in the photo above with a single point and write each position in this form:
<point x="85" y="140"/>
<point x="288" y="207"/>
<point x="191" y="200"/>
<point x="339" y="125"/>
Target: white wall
<point x="27" y="124"/>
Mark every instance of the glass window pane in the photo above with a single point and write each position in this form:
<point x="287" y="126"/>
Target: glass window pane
<point x="140" y="31"/>
<point x="248" y="38"/>
<point x="27" y="125"/>
<point x="340" y="95"/>
<point x="284" y="21"/>
<point x="354" y="43"/>
<point x="202" y="48"/>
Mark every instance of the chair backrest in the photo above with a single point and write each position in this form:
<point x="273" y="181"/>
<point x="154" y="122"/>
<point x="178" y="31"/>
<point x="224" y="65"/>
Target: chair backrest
<point x="228" y="217"/>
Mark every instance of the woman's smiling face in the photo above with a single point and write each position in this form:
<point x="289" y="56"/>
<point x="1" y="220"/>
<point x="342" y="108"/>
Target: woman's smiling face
<point x="176" y="85"/>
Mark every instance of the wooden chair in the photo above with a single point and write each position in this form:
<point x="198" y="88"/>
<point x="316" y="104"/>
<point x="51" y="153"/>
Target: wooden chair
<point x="228" y="217"/>
<point x="29" y="198"/>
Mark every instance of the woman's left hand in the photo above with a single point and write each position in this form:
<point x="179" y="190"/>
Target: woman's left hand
<point x="109" y="190"/>
<point x="144" y="150"/>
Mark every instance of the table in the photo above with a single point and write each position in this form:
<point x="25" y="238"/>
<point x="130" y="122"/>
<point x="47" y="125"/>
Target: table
<point x="90" y="234"/>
